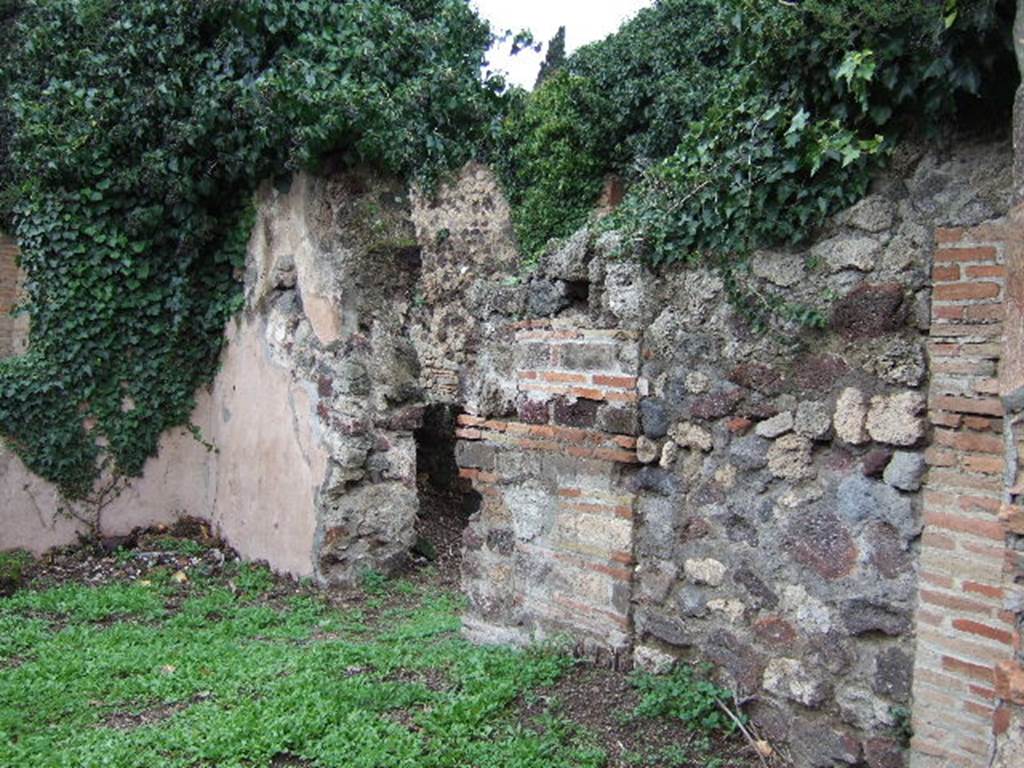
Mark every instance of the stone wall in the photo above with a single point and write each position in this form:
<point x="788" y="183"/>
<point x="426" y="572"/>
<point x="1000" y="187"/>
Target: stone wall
<point x="655" y="478"/>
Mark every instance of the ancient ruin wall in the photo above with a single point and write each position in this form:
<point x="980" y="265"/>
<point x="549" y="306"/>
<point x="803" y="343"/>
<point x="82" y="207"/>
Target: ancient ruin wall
<point x="655" y="479"/>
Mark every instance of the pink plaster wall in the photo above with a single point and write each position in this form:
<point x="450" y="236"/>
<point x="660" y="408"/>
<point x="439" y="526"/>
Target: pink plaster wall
<point x="258" y="488"/>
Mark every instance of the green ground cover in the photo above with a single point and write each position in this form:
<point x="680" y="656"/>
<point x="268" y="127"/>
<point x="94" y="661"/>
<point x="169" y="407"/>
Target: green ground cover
<point x="187" y="662"/>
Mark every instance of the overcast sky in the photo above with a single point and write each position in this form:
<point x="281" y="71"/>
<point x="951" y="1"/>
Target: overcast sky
<point x="584" y="20"/>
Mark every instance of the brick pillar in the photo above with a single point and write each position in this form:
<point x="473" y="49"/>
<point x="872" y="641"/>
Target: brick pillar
<point x="963" y="632"/>
<point x="13" y="330"/>
<point x="551" y="550"/>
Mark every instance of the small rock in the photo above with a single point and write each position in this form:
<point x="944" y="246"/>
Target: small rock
<point x="790" y="458"/>
<point x="812" y="615"/>
<point x="698" y="383"/>
<point x="862" y="616"/>
<point x="733" y="609"/>
<point x="710" y="572"/>
<point x="750" y="452"/>
<point x="782" y="269"/>
<point x="905" y="471"/>
<point x="850" y="417"/>
<point x="725" y="476"/>
<point x="897" y="360"/>
<point x="869" y="311"/>
<point x="693" y="603"/>
<point x="894" y="673"/>
<point x="653" y="660"/>
<point x="654" y="418"/>
<point x="895" y="419"/>
<point x="775" y="426"/>
<point x="790" y="679"/>
<point x="872" y="214"/>
<point x="813" y="420"/>
<point x="647" y="451"/>
<point x="841" y="253"/>
<point x="669" y="453"/>
<point x="860" y="499"/>
<point x="875" y="462"/>
<point x="688" y="435"/>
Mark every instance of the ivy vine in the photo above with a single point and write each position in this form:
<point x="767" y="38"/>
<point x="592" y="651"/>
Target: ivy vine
<point x="133" y="134"/>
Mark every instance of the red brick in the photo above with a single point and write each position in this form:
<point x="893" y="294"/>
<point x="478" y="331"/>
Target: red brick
<point x="986" y="406"/>
<point x="984" y="253"/>
<point x="949" y="234"/>
<point x="1001" y="720"/>
<point x="987" y="270"/>
<point x="469" y="421"/>
<point x="979" y="709"/>
<point x="621" y="457"/>
<point x="982" y="528"/>
<point x="946" y="274"/>
<point x="982" y="692"/>
<point x="949" y="312"/>
<point x="1009" y="681"/>
<point x="978" y="503"/>
<point x="936" y="457"/>
<point x="469" y="434"/>
<point x="973" y="587"/>
<point x="941" y="419"/>
<point x="964" y="367"/>
<point x="979" y="424"/>
<point x="952" y="479"/>
<point x="587" y="394"/>
<point x="980" y="313"/>
<point x="937" y="580"/>
<point x="983" y="630"/>
<point x="622" y="382"/>
<point x="989" y="465"/>
<point x="954" y="603"/>
<point x="1012" y="517"/>
<point x="988" y="350"/>
<point x="936" y="540"/>
<point x="560" y="377"/>
<point x="624" y="441"/>
<point x="969" y="441"/>
<point x="977" y="671"/>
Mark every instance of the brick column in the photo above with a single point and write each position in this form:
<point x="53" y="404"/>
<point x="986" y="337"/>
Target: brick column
<point x="963" y="632"/>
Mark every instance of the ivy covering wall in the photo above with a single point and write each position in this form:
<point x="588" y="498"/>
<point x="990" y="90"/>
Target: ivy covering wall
<point x="133" y="133"/>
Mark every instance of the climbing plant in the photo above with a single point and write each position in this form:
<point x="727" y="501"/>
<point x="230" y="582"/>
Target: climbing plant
<point x="746" y="122"/>
<point x="133" y="133"/>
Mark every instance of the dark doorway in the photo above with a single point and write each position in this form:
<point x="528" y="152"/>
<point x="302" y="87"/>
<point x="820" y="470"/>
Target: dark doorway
<point x="446" y="501"/>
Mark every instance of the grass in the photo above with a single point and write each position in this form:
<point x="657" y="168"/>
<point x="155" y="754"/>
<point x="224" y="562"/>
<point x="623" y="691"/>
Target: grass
<point x="216" y="671"/>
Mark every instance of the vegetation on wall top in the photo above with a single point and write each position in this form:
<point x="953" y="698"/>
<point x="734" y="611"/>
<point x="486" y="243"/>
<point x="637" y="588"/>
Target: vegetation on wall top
<point x="746" y="122"/>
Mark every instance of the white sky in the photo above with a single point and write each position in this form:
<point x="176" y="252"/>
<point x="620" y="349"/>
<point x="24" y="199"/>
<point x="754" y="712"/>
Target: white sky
<point x="585" y="21"/>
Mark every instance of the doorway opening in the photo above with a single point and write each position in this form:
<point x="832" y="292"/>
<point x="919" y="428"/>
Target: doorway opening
<point x="446" y="501"/>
